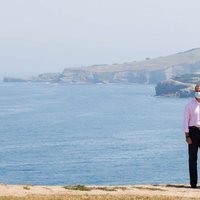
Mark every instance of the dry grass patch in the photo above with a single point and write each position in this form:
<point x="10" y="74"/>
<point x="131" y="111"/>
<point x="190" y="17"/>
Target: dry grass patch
<point x="88" y="188"/>
<point x="77" y="187"/>
<point x="26" y="187"/>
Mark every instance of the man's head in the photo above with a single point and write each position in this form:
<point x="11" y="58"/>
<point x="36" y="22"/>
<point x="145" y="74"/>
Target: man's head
<point x="197" y="92"/>
<point x="197" y="88"/>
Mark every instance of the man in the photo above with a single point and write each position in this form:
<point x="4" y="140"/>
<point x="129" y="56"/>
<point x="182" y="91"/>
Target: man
<point x="192" y="133"/>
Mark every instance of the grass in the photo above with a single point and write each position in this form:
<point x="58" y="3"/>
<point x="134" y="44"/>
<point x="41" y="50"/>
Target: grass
<point x="178" y="186"/>
<point x="105" y="189"/>
<point x="77" y="187"/>
<point x="84" y="188"/>
<point x="148" y="188"/>
<point x="26" y="187"/>
<point x="94" y="197"/>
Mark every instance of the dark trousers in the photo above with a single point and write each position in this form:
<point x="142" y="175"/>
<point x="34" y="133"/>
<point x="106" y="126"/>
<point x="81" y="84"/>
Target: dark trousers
<point x="193" y="150"/>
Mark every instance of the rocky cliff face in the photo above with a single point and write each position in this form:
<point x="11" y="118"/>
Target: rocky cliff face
<point x="179" y="86"/>
<point x="151" y="71"/>
<point x="83" y="76"/>
<point x="173" y="88"/>
<point x="126" y="76"/>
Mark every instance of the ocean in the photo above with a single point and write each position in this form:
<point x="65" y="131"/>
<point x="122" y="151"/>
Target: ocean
<point x="107" y="134"/>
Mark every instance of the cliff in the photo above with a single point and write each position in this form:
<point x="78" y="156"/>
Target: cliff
<point x="179" y="86"/>
<point x="173" y="88"/>
<point x="149" y="71"/>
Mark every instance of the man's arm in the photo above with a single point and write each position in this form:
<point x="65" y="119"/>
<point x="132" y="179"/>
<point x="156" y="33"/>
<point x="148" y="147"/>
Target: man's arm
<point x="186" y="124"/>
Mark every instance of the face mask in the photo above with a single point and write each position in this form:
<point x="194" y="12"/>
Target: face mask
<point x="197" y="95"/>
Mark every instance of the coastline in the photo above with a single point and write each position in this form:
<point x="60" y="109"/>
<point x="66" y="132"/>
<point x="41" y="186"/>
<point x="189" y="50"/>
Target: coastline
<point x="162" y="191"/>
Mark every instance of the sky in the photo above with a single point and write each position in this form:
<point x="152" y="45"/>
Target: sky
<point x="39" y="36"/>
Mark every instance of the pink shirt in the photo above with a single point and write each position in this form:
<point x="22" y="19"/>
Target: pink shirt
<point x="192" y="114"/>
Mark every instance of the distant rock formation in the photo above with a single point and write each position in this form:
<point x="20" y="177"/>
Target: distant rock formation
<point x="180" y="86"/>
<point x="10" y="79"/>
<point x="173" y="88"/>
<point x="46" y="77"/>
<point x="149" y="71"/>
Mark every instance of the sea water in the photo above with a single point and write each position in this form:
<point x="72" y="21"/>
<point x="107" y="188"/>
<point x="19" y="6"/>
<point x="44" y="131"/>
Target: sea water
<point x="105" y="134"/>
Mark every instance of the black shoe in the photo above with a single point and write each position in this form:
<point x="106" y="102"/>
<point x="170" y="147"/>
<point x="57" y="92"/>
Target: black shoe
<point x="193" y="186"/>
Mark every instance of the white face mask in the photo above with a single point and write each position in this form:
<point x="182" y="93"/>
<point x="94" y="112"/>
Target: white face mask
<point x="197" y="95"/>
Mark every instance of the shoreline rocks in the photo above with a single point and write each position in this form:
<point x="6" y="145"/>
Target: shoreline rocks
<point x="179" y="86"/>
<point x="173" y="88"/>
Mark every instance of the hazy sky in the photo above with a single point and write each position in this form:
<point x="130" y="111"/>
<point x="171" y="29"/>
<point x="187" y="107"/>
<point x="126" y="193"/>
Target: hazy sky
<point x="49" y="35"/>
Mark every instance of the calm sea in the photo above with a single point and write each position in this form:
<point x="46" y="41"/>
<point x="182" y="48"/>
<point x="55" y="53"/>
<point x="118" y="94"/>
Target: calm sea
<point x="90" y="134"/>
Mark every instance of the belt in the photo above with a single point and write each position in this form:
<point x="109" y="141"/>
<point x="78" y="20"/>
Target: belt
<point x="195" y="127"/>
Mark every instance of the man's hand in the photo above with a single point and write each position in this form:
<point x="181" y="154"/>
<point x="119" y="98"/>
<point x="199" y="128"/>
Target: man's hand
<point x="189" y="140"/>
